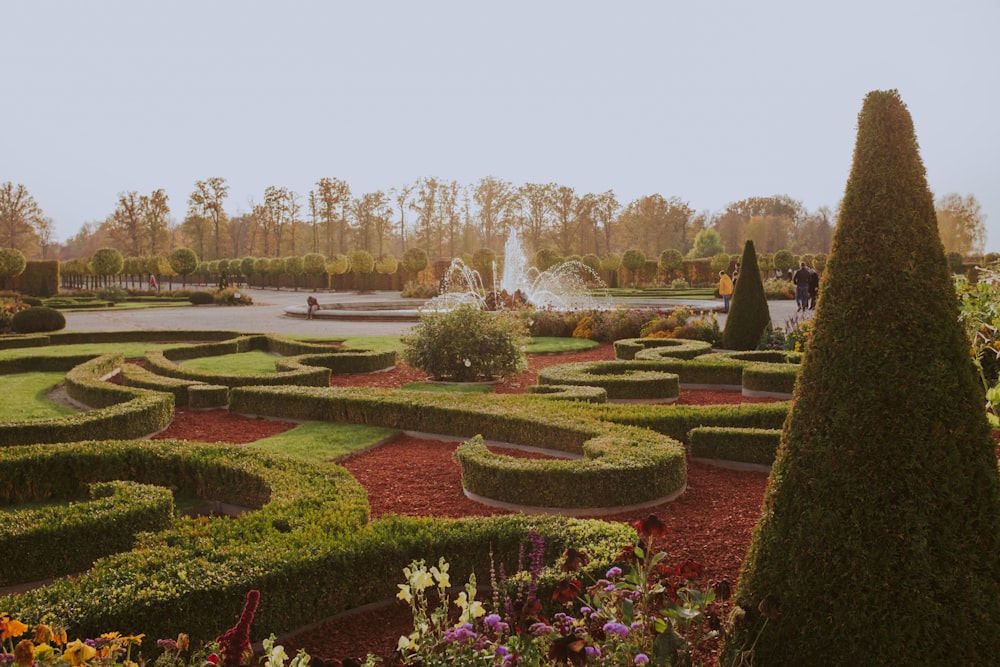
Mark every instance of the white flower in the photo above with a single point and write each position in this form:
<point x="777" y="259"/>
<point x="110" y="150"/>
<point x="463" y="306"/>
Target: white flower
<point x="468" y="363"/>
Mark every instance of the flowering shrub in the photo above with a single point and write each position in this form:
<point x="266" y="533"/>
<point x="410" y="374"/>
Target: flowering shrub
<point x="230" y="296"/>
<point x="979" y="312"/>
<point x="641" y="612"/>
<point x="465" y="344"/>
<point x="779" y="288"/>
<point x="48" y="647"/>
<point x="681" y="323"/>
<point x="794" y="335"/>
<point x="9" y="306"/>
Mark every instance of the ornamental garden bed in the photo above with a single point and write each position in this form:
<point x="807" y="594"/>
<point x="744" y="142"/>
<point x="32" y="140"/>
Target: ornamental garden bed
<point x="710" y="522"/>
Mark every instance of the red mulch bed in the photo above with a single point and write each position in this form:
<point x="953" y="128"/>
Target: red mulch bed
<point x="711" y="522"/>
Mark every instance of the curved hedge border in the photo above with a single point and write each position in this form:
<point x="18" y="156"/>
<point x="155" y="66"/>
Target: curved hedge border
<point x="566" y="392"/>
<point x="303" y="364"/>
<point x="622" y="467"/>
<point x="755" y="446"/>
<point x="178" y="577"/>
<point x="623" y="380"/>
<point x="73" y="536"/>
<point x="303" y="548"/>
<point x="764" y="379"/>
<point x="678" y="348"/>
<point x="123" y="412"/>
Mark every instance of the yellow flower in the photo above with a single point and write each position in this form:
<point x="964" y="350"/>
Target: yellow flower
<point x="404" y="593"/>
<point x="441" y="574"/>
<point x="470" y="609"/>
<point x="77" y="653"/>
<point x="43" y="652"/>
<point x="11" y="627"/>
<point x="404" y="643"/>
<point x="135" y="639"/>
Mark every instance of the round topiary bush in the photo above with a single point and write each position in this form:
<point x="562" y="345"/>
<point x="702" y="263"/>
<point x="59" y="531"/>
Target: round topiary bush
<point x="466" y="344"/>
<point x="201" y="298"/>
<point x="37" y="319"/>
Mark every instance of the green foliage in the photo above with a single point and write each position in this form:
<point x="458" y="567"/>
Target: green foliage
<point x="466" y="344"/>
<point x="183" y="261"/>
<point x="112" y="293"/>
<point x="879" y="534"/>
<point x="12" y="263"/>
<point x="107" y="262"/>
<point x="414" y="260"/>
<point x="232" y="296"/>
<point x="669" y="261"/>
<point x="707" y="243"/>
<point x="749" y="315"/>
<point x="37" y="319"/>
<point x="784" y="260"/>
<point x="40" y="278"/>
<point x="201" y="298"/>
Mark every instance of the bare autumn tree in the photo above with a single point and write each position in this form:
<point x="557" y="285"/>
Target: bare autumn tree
<point x="564" y="204"/>
<point x="278" y="206"/>
<point x="402" y="197"/>
<point x="206" y="206"/>
<point x="961" y="224"/>
<point x="155" y="218"/>
<point x="535" y="201"/>
<point x="495" y="199"/>
<point x="333" y="197"/>
<point x="20" y="219"/>
<point x="425" y="204"/>
<point x="125" y="225"/>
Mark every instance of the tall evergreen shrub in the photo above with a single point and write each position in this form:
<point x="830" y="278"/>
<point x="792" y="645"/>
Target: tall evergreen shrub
<point x="748" y="315"/>
<point x="879" y="538"/>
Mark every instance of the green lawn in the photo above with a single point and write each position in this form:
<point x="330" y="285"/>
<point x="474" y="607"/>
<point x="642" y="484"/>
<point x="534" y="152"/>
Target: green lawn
<point x="24" y="397"/>
<point x="130" y="350"/>
<point x="555" y="345"/>
<point x="324" y="441"/>
<point x="254" y="362"/>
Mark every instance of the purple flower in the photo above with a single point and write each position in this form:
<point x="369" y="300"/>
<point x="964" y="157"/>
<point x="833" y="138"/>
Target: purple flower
<point x="494" y="623"/>
<point x="614" y="572"/>
<point x="616" y="628"/>
<point x="641" y="659"/>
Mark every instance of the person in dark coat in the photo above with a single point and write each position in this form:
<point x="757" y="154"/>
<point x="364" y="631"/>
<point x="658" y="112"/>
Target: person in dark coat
<point x="813" y="288"/>
<point x="801" y="281"/>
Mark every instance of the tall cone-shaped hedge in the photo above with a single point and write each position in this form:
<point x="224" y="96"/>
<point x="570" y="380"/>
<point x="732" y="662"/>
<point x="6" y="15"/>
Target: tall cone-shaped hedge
<point x="879" y="538"/>
<point x="748" y="315"/>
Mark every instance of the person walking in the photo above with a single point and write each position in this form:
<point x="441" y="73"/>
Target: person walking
<point x="801" y="281"/>
<point x="813" y="288"/>
<point x="725" y="290"/>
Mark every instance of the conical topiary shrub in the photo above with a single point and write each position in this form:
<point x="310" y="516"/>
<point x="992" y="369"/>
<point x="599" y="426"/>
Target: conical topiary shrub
<point x="879" y="538"/>
<point x="748" y="316"/>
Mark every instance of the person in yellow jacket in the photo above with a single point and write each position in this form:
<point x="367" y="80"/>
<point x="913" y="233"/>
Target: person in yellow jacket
<point x="725" y="290"/>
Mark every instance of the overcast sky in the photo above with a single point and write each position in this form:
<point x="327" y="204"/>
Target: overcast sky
<point x="711" y="101"/>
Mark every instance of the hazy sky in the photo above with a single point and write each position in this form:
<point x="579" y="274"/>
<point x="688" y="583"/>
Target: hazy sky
<point x="711" y="101"/>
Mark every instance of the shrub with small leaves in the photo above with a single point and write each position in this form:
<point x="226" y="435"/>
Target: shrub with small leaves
<point x="466" y="344"/>
<point x="37" y="319"/>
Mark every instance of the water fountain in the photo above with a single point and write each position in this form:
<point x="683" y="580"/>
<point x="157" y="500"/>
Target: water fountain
<point x="561" y="287"/>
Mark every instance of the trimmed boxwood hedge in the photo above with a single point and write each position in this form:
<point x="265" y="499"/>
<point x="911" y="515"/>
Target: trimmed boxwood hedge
<point x="678" y="348"/>
<point x="744" y="445"/>
<point x="123" y="412"/>
<point x="621" y="466"/>
<point x="301" y="547"/>
<point x="73" y="536"/>
<point x="566" y="392"/>
<point x="623" y="380"/>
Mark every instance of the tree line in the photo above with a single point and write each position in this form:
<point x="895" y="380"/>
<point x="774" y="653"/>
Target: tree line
<point x="446" y="219"/>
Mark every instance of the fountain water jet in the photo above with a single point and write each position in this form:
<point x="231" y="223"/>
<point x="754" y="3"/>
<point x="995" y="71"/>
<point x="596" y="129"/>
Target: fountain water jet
<point x="561" y="287"/>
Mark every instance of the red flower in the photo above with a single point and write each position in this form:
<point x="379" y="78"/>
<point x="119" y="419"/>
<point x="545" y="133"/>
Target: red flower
<point x="651" y="526"/>
<point x="626" y="555"/>
<point x="689" y="569"/>
<point x="235" y="642"/>
<point x="567" y="591"/>
<point x="574" y="560"/>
